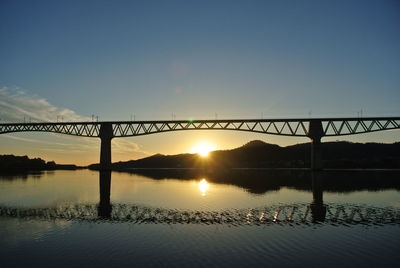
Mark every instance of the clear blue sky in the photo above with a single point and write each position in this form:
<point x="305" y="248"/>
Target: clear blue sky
<point x="197" y="58"/>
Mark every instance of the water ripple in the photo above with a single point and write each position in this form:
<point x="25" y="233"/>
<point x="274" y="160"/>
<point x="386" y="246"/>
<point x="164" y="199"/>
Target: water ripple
<point x="295" y="214"/>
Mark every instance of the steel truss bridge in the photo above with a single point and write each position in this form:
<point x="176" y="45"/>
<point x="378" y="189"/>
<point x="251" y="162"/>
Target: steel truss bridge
<point x="284" y="127"/>
<point x="314" y="128"/>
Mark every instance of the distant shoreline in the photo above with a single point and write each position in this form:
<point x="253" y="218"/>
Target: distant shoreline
<point x="197" y="170"/>
<point x="12" y="163"/>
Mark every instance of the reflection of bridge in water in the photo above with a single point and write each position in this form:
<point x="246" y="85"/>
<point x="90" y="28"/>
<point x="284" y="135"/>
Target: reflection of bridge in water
<point x="315" y="212"/>
<point x="315" y="129"/>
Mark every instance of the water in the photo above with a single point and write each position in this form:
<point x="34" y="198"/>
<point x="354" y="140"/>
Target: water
<point x="200" y="218"/>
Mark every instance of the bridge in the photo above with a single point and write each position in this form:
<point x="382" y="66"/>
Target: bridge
<point x="313" y="128"/>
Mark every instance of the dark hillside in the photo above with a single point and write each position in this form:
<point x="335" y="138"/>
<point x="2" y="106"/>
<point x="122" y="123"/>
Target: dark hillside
<point x="258" y="154"/>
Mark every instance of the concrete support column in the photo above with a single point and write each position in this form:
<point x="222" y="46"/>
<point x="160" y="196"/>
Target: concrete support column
<point x="316" y="154"/>
<point x="106" y="134"/>
<point x="315" y="133"/>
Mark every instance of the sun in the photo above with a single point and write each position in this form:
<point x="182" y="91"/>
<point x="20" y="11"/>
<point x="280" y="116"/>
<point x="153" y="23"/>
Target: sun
<point x="203" y="148"/>
<point x="203" y="151"/>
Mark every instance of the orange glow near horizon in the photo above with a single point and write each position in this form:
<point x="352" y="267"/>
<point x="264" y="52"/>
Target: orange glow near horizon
<point x="203" y="148"/>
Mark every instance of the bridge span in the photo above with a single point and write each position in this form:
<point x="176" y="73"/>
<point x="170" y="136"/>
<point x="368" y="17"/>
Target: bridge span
<point x="313" y="128"/>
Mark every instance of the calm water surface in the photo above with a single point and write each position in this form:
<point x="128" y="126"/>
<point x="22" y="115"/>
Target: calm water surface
<point x="238" y="218"/>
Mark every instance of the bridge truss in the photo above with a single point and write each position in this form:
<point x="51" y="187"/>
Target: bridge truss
<point x="284" y="127"/>
<point x="314" y="128"/>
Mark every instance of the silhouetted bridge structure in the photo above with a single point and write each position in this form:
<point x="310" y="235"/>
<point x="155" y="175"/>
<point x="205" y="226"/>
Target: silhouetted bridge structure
<point x="315" y="129"/>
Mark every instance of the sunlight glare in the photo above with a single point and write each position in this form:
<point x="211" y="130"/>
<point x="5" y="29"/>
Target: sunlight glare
<point x="203" y="148"/>
<point x="203" y="187"/>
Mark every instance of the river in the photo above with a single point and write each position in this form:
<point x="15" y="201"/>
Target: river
<point x="192" y="218"/>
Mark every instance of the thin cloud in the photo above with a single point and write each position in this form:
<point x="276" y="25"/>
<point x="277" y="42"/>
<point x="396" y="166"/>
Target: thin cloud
<point x="87" y="145"/>
<point x="127" y="150"/>
<point x="16" y="104"/>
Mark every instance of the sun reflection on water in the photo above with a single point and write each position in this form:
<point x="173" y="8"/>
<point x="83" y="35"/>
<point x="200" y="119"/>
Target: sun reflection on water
<point x="203" y="187"/>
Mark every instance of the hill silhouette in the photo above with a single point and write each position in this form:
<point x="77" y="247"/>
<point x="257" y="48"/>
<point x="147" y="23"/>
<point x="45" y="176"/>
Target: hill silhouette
<point x="258" y="154"/>
<point x="13" y="163"/>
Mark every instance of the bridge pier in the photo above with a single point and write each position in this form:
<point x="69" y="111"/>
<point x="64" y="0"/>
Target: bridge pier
<point x="315" y="133"/>
<point x="106" y="135"/>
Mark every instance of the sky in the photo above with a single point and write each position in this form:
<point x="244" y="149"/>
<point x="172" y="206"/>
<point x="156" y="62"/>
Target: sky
<point x="149" y="60"/>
